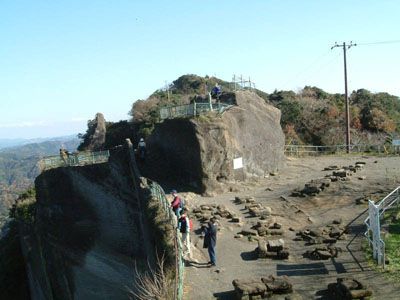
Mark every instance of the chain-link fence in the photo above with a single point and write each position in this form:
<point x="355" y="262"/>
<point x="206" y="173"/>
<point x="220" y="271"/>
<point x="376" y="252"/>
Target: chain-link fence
<point x="158" y="193"/>
<point x="191" y="110"/>
<point x="305" y="150"/>
<point x="74" y="159"/>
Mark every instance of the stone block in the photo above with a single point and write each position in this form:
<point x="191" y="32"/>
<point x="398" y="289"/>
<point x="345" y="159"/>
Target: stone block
<point x="278" y="284"/>
<point x="275" y="245"/>
<point x="248" y="232"/>
<point x="249" y="289"/>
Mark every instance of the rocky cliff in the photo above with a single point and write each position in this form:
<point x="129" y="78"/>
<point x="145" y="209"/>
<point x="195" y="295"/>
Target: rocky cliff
<point x="89" y="230"/>
<point x="200" y="151"/>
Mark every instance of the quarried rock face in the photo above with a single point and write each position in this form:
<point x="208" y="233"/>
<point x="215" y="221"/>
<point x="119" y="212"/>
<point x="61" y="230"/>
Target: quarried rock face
<point x="88" y="232"/>
<point x="201" y="151"/>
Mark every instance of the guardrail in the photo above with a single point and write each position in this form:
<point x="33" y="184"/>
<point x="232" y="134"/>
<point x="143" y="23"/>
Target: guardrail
<point x="373" y="232"/>
<point x="74" y="159"/>
<point x="191" y="110"/>
<point x="302" y="150"/>
<point x="158" y="192"/>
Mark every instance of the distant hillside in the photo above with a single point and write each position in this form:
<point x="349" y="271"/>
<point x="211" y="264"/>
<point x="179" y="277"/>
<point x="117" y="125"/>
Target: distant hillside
<point x="7" y="143"/>
<point x="18" y="168"/>
<point x="310" y="116"/>
<point x="313" y="116"/>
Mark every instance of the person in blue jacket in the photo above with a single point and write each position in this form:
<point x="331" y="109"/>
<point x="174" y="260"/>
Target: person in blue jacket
<point x="216" y="91"/>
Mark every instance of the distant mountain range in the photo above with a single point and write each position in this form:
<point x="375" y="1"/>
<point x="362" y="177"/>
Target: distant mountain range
<point x="6" y="143"/>
<point x="18" y="165"/>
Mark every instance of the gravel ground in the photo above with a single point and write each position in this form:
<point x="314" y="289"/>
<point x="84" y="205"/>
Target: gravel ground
<point x="309" y="277"/>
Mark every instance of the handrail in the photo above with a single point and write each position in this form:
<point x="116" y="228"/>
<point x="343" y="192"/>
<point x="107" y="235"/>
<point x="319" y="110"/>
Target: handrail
<point x="74" y="159"/>
<point x="158" y="192"/>
<point x="297" y="150"/>
<point x="381" y="207"/>
<point x="190" y="110"/>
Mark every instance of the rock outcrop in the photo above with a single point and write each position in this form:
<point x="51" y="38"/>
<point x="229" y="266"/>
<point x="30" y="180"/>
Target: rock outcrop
<point x="88" y="233"/>
<point x="95" y="137"/>
<point x="200" y="151"/>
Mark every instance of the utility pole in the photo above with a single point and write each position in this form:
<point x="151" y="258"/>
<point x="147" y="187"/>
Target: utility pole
<point x="345" y="92"/>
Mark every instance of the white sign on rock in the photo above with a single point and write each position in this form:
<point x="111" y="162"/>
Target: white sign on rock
<point x="238" y="163"/>
<point x="396" y="142"/>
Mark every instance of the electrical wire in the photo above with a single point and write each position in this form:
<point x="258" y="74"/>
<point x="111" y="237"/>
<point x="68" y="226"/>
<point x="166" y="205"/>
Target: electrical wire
<point x="305" y="70"/>
<point x="378" y="43"/>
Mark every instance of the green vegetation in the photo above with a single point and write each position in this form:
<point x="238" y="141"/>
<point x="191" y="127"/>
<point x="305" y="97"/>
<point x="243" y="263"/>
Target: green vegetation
<point x="392" y="245"/>
<point x="315" y="117"/>
<point x="24" y="208"/>
<point x="310" y="116"/>
<point x="184" y="90"/>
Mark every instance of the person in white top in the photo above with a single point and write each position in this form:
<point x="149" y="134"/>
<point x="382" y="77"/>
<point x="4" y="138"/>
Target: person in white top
<point x="184" y="227"/>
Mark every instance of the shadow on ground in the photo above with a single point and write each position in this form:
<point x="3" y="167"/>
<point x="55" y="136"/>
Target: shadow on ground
<point x="228" y="295"/>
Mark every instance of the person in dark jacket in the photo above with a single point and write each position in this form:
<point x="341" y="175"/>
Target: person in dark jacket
<point x="216" y="92"/>
<point x="210" y="240"/>
<point x="142" y="149"/>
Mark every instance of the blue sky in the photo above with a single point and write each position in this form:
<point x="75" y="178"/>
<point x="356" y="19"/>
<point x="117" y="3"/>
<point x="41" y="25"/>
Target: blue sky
<point x="61" y="62"/>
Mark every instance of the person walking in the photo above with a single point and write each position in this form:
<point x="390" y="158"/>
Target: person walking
<point x="210" y="240"/>
<point x="176" y="204"/>
<point x="184" y="227"/>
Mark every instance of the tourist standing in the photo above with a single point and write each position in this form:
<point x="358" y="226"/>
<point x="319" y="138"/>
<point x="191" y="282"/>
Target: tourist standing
<point x="184" y="227"/>
<point x="176" y="203"/>
<point x="210" y="240"/>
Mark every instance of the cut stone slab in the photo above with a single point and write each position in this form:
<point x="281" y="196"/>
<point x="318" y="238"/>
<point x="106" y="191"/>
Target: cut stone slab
<point x="248" y="289"/>
<point x="275" y="245"/>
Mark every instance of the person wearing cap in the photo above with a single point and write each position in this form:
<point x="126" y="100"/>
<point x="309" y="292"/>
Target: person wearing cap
<point x="176" y="203"/>
<point x="142" y="149"/>
<point x="184" y="227"/>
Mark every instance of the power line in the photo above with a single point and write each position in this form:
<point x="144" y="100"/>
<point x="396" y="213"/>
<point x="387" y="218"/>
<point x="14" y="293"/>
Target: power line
<point x="314" y="68"/>
<point x="305" y="70"/>
<point x="379" y="43"/>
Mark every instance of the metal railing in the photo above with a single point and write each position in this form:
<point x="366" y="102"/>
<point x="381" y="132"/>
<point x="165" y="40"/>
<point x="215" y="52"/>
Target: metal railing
<point x="74" y="159"/>
<point x="191" y="110"/>
<point x="302" y="150"/>
<point x="158" y="193"/>
<point x="373" y="223"/>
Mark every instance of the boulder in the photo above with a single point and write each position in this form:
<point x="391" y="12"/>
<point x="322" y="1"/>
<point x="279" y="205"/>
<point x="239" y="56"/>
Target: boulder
<point x="249" y="289"/>
<point x="278" y="284"/>
<point x="275" y="245"/>
<point x="349" y="288"/>
<point x="248" y="232"/>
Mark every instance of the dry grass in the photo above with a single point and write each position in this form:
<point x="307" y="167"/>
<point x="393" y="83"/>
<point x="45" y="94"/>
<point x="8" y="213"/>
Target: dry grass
<point x="153" y="284"/>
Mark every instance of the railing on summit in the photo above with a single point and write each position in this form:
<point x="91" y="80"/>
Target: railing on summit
<point x="191" y="110"/>
<point x="74" y="159"/>
<point x="158" y="193"/>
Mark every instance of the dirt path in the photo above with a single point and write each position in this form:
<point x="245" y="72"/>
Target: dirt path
<point x="309" y="277"/>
